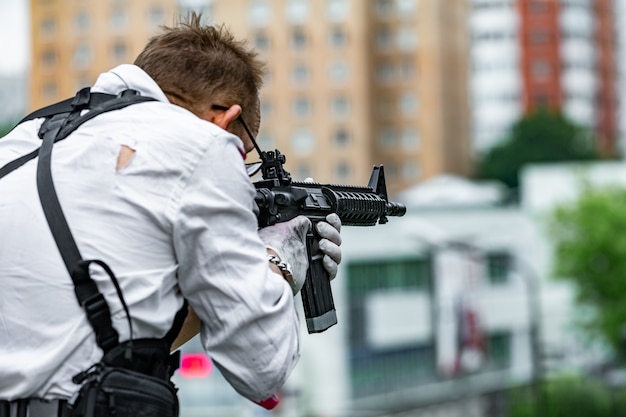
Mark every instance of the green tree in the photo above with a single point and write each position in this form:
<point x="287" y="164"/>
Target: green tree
<point x="542" y="136"/>
<point x="5" y="128"/>
<point x="589" y="237"/>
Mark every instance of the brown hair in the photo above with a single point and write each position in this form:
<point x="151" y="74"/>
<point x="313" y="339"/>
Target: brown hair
<point x="199" y="66"/>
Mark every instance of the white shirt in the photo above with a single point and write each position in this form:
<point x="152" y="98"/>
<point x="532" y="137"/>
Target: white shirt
<point x="176" y="222"/>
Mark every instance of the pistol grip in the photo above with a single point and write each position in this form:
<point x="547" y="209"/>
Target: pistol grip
<point x="317" y="296"/>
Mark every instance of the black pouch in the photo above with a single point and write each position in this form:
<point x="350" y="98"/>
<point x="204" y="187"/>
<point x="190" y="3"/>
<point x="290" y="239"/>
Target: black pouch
<point x="112" y="391"/>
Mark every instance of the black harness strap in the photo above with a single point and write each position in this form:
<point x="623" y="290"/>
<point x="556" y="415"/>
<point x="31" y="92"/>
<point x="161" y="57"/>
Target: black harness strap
<point x="61" y="120"/>
<point x="98" y="103"/>
<point x="84" y="99"/>
<point x="54" y="129"/>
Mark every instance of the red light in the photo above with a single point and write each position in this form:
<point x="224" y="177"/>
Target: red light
<point x="195" y="365"/>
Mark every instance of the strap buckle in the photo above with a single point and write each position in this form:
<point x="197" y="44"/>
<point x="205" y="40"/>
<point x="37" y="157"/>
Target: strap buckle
<point x="100" y="318"/>
<point x="81" y="99"/>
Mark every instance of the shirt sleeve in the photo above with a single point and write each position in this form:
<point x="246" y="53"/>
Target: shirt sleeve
<point x="249" y="325"/>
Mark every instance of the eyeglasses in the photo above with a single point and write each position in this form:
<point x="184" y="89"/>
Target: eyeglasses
<point x="252" y="168"/>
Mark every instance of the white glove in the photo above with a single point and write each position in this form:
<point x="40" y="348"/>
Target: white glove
<point x="330" y="242"/>
<point x="288" y="240"/>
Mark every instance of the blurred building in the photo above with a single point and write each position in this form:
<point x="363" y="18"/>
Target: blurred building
<point x="74" y="41"/>
<point x="410" y="293"/>
<point x="350" y="83"/>
<point x="560" y="54"/>
<point x="13" y="98"/>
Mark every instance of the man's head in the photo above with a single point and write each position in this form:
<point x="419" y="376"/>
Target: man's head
<point x="204" y="69"/>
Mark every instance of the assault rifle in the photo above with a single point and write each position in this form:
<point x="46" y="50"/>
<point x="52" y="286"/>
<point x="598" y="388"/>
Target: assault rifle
<point x="280" y="199"/>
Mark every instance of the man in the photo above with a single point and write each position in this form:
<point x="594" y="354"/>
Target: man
<point x="159" y="191"/>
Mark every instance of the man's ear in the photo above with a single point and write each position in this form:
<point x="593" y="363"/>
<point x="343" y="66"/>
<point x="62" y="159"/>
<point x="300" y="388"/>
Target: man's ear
<point x="223" y="118"/>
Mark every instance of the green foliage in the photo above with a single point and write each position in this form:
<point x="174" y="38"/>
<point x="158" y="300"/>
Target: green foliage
<point x="5" y="128"/>
<point x="565" y="397"/>
<point x="542" y="136"/>
<point x="590" y="250"/>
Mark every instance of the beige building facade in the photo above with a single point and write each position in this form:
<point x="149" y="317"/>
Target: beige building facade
<point x="75" y="40"/>
<point x="350" y="83"/>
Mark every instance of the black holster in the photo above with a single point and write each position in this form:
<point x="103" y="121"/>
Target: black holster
<point x="133" y="379"/>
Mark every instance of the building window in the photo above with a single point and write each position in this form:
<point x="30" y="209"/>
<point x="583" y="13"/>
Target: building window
<point x="539" y="37"/>
<point x="339" y="106"/>
<point x="387" y="138"/>
<point x="407" y="38"/>
<point x="261" y="41"/>
<point x="385" y="72"/>
<point x="48" y="27"/>
<point x="119" y="52"/>
<point x="49" y="58"/>
<point x="303" y="172"/>
<point x="341" y="138"/>
<point x="383" y="8"/>
<point x="82" y="56"/>
<point x="303" y="141"/>
<point x="538" y="6"/>
<point x="407" y="69"/>
<point x="338" y="72"/>
<point x="408" y="104"/>
<point x="298" y="39"/>
<point x="81" y="22"/>
<point x="342" y="171"/>
<point x="410" y="170"/>
<point x="49" y="90"/>
<point x="156" y="16"/>
<point x="541" y="70"/>
<point x="391" y="170"/>
<point x="499" y="265"/>
<point x="409" y="139"/>
<point x="301" y="107"/>
<point x="259" y="13"/>
<point x="119" y="19"/>
<point x="499" y="350"/>
<point x="406" y="8"/>
<point x="297" y="11"/>
<point x="384" y="38"/>
<point x="389" y="275"/>
<point x="385" y="106"/>
<point x="336" y="10"/>
<point x="337" y="38"/>
<point x="300" y="74"/>
<point x="374" y="370"/>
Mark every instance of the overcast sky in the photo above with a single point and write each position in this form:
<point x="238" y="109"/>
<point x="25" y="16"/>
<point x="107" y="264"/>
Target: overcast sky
<point x="14" y="36"/>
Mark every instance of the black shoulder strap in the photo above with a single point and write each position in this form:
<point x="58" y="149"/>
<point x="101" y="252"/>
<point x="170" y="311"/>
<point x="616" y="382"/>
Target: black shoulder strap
<point x="55" y="128"/>
<point x="61" y="120"/>
<point x="66" y="106"/>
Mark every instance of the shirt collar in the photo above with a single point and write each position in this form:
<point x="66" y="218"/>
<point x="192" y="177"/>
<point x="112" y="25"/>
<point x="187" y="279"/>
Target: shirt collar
<point x="128" y="76"/>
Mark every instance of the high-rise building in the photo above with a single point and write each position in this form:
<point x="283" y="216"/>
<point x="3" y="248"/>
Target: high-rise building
<point x="356" y="83"/>
<point x="13" y="98"/>
<point x="74" y="41"/>
<point x="558" y="54"/>
<point x="350" y="83"/>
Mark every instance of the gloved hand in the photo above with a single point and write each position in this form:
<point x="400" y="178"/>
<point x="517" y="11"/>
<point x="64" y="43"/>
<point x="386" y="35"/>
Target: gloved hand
<point x="288" y="240"/>
<point x="330" y="242"/>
